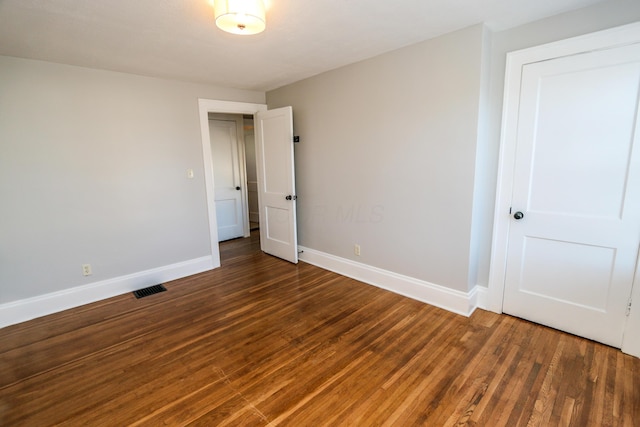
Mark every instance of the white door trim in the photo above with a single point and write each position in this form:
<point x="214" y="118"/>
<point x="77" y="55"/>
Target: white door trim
<point x="206" y="106"/>
<point x="619" y="36"/>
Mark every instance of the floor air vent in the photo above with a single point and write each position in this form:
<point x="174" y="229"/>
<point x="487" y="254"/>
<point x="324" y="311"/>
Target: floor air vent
<point x="149" y="291"/>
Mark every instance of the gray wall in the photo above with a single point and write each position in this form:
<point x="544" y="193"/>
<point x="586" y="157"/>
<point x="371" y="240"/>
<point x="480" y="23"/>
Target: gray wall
<point x="93" y="170"/>
<point x="399" y="153"/>
<point x="387" y="157"/>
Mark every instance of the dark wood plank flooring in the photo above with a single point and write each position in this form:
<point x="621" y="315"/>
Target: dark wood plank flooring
<point x="261" y="342"/>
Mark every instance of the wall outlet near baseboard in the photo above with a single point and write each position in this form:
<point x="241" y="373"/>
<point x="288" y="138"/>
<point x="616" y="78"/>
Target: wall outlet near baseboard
<point x="86" y="270"/>
<point x="356" y="249"/>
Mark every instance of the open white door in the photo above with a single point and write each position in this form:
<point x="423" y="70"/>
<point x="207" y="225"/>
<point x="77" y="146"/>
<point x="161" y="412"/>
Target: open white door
<point x="276" y="183"/>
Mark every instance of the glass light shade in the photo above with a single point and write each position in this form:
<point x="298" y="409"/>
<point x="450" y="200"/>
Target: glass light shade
<point x="240" y="16"/>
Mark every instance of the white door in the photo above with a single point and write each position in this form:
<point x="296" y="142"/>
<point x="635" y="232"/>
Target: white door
<point x="226" y="178"/>
<point x="276" y="183"/>
<point x="571" y="256"/>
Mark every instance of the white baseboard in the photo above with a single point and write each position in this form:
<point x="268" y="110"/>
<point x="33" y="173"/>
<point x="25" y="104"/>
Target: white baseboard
<point x="463" y="303"/>
<point x="42" y="305"/>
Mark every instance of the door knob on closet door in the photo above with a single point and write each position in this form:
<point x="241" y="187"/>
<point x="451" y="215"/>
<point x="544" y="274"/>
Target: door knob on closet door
<point x="238" y="188"/>
<point x="518" y="215"/>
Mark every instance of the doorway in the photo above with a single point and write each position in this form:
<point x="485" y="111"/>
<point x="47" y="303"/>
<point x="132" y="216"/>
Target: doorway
<point x="205" y="107"/>
<point x="235" y="177"/>
<point x="227" y="158"/>
<point x="275" y="176"/>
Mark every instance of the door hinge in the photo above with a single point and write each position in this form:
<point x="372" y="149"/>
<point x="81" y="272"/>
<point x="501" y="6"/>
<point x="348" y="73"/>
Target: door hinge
<point x="629" y="307"/>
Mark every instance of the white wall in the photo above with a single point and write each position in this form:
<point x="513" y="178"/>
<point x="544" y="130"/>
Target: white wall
<point x="93" y="170"/>
<point x="387" y="157"/>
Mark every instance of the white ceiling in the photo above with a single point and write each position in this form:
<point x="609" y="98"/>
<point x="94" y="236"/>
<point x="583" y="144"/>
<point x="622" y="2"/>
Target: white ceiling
<point x="178" y="39"/>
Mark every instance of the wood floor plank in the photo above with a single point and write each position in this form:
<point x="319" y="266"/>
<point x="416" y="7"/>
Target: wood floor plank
<point x="262" y="342"/>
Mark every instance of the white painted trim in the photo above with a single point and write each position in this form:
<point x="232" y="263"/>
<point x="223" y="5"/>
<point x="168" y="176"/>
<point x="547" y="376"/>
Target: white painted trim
<point x="482" y="297"/>
<point x="206" y="106"/>
<point x="448" y="299"/>
<point x="619" y="36"/>
<point x="42" y="305"/>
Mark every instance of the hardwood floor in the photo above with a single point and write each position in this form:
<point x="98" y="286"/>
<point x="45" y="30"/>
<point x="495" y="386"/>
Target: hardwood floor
<point x="261" y="342"/>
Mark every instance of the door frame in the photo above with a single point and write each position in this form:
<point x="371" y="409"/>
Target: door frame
<point x="619" y="36"/>
<point x="206" y="106"/>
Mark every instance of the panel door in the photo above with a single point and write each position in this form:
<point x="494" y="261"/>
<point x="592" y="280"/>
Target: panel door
<point x="276" y="183"/>
<point x="226" y="178"/>
<point x="574" y="238"/>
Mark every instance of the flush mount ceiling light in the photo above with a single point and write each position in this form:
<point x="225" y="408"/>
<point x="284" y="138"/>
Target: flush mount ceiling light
<point x="240" y="16"/>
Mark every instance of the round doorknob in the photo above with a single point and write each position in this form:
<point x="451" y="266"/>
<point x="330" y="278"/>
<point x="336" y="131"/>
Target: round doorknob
<point x="238" y="188"/>
<point x="518" y="215"/>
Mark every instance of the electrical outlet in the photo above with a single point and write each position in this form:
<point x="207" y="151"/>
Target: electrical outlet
<point x="356" y="249"/>
<point x="190" y="173"/>
<point x="86" y="269"/>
